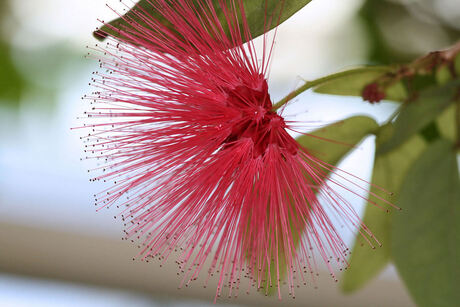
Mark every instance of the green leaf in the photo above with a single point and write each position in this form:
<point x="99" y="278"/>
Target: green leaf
<point x="417" y="114"/>
<point x="446" y="123"/>
<point x="443" y="75"/>
<point x="258" y="13"/>
<point x="352" y="82"/>
<point x="323" y="143"/>
<point x="426" y="234"/>
<point x="333" y="142"/>
<point x="457" y="64"/>
<point x="389" y="172"/>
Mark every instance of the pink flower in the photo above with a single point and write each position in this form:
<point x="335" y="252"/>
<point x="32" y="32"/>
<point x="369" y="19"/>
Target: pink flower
<point x="183" y="121"/>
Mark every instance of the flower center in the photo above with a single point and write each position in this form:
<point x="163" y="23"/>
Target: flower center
<point x="256" y="120"/>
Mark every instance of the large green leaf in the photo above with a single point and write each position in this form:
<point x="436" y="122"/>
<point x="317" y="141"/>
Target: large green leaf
<point x="426" y="234"/>
<point x="258" y="14"/>
<point x="389" y="172"/>
<point x="352" y="82"/>
<point x="417" y="114"/>
<point x="333" y="142"/>
<point x="330" y="144"/>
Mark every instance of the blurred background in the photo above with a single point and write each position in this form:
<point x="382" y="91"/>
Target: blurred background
<point x="55" y="250"/>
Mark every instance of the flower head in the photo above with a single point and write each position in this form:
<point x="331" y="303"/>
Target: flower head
<point x="184" y="123"/>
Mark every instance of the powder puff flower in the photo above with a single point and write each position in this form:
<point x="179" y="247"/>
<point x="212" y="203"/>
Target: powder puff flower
<point x="201" y="162"/>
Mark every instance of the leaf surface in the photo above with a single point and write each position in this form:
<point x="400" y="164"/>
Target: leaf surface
<point x="417" y="114"/>
<point x="426" y="235"/>
<point x="261" y="15"/>
<point x="389" y="172"/>
<point x="446" y="123"/>
<point x="352" y="82"/>
<point x="333" y="142"/>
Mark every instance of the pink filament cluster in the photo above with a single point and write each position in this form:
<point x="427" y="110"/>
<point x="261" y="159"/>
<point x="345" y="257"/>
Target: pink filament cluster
<point x="183" y="121"/>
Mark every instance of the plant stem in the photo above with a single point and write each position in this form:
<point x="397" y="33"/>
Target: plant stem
<point x="309" y="84"/>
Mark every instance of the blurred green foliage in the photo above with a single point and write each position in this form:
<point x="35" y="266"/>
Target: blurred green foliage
<point x="12" y="82"/>
<point x="37" y="72"/>
<point x="396" y="27"/>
